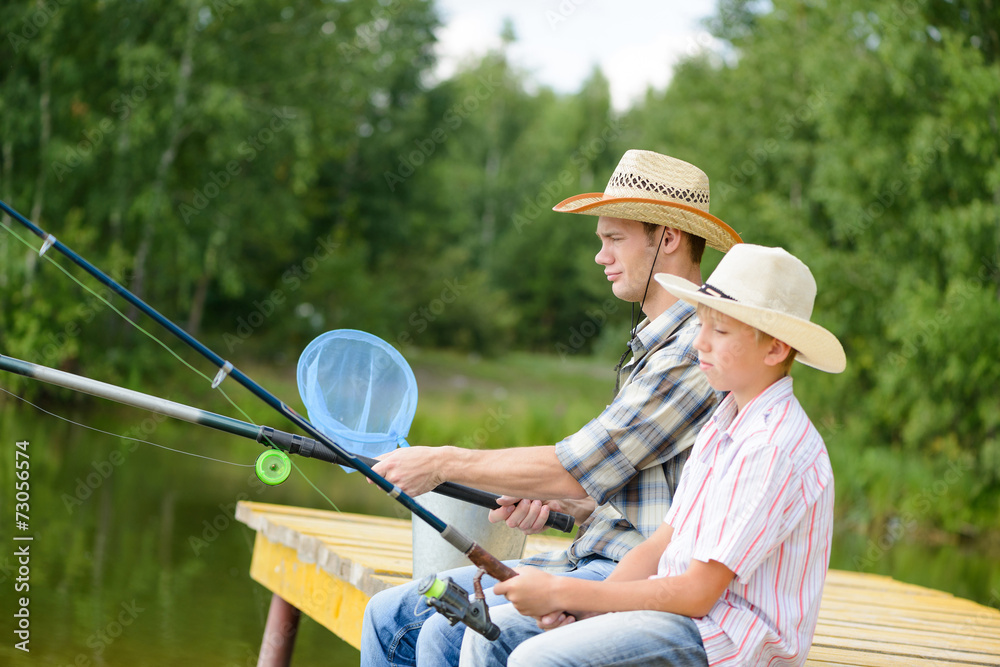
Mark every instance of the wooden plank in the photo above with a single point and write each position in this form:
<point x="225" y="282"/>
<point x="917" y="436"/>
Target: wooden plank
<point x="328" y="564"/>
<point x="327" y="599"/>
<point x="915" y="636"/>
<point x="834" y="654"/>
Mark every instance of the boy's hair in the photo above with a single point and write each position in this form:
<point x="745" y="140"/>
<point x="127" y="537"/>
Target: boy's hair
<point x="760" y="337"/>
<point x="696" y="244"/>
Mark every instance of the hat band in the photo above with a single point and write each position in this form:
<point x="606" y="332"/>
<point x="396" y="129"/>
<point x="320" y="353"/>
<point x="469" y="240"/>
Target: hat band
<point x="714" y="291"/>
<point x="631" y="181"/>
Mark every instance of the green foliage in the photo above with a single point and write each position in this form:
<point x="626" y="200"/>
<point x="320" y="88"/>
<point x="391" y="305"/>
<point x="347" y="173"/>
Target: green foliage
<point x="263" y="171"/>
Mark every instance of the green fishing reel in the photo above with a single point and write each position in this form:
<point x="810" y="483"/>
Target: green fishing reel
<point x="273" y="466"/>
<point x="452" y="601"/>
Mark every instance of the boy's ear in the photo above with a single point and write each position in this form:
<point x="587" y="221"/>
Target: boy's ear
<point x="777" y="352"/>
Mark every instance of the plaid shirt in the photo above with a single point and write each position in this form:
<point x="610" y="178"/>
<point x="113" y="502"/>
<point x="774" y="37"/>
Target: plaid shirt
<point x="629" y="458"/>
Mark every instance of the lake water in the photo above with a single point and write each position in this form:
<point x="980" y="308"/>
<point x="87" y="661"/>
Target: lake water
<point x="136" y="558"/>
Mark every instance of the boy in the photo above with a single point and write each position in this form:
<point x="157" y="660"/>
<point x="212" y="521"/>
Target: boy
<point x="735" y="573"/>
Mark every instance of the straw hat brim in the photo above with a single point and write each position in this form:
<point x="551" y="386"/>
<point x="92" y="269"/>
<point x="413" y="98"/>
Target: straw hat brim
<point x="816" y="346"/>
<point x="716" y="233"/>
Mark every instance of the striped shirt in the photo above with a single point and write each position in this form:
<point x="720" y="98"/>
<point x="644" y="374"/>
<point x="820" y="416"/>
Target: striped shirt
<point x="630" y="457"/>
<point x="757" y="496"/>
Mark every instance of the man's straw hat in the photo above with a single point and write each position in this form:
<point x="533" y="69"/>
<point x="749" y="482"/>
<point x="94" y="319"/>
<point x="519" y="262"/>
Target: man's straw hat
<point x="771" y="290"/>
<point x="650" y="187"/>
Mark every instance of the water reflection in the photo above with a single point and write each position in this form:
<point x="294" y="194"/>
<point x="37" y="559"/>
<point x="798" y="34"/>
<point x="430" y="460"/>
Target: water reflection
<point x="136" y="557"/>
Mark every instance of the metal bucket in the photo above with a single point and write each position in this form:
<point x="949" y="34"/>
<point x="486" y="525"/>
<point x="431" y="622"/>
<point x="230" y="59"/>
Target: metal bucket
<point x="432" y="554"/>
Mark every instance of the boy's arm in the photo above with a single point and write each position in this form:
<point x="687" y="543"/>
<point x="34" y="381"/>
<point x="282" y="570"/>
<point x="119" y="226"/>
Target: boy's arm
<point x="641" y="561"/>
<point x="538" y="594"/>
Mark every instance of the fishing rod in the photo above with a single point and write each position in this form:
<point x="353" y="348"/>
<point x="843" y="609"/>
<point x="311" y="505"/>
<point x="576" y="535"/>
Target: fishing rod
<point x="270" y="470"/>
<point x="475" y="553"/>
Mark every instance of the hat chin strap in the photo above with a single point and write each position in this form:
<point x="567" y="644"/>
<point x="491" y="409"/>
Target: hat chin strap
<point x="633" y="320"/>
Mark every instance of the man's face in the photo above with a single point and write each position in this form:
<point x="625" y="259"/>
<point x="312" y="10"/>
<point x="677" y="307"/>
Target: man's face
<point x="627" y="256"/>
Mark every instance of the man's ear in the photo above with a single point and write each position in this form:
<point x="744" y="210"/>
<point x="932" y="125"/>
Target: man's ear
<point x="672" y="239"/>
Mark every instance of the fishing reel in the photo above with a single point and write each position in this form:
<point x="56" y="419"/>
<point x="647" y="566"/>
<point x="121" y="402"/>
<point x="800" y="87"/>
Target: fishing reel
<point x="273" y="466"/>
<point x="451" y="600"/>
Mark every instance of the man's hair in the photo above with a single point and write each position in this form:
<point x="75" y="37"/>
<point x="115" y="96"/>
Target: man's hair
<point x="760" y="337"/>
<point x="696" y="244"/>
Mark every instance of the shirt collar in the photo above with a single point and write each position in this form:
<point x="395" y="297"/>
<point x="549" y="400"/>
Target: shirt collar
<point x="650" y="335"/>
<point x="726" y="418"/>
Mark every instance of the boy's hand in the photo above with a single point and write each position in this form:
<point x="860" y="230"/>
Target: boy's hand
<point x="532" y="592"/>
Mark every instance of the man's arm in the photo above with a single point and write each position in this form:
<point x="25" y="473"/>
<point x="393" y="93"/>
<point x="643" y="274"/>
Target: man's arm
<point x="525" y="472"/>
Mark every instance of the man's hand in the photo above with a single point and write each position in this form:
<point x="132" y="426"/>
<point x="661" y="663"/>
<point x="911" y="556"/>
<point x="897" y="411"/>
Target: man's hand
<point x="413" y="469"/>
<point x="529" y="516"/>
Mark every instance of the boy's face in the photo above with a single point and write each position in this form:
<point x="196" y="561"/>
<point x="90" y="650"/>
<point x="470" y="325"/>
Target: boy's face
<point x="730" y="356"/>
<point x="627" y="256"/>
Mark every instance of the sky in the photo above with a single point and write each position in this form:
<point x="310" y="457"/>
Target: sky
<point x="559" y="42"/>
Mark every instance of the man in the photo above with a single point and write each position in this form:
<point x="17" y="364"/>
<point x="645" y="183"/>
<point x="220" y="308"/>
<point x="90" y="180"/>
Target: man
<point x="735" y="573"/>
<point x="653" y="218"/>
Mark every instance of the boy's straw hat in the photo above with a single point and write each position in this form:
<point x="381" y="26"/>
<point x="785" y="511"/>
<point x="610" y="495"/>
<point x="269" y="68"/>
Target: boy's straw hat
<point x="771" y="290"/>
<point x="650" y="187"/>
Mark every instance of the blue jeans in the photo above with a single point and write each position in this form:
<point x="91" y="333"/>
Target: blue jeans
<point x="622" y="638"/>
<point x="400" y="630"/>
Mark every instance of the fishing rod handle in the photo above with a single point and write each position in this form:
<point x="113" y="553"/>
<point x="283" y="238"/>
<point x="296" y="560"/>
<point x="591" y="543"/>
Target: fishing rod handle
<point x="307" y="447"/>
<point x="490" y="563"/>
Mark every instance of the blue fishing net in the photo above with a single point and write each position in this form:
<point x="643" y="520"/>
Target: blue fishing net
<point x="358" y="390"/>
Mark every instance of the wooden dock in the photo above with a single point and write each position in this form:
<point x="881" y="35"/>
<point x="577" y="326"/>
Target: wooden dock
<point x="328" y="564"/>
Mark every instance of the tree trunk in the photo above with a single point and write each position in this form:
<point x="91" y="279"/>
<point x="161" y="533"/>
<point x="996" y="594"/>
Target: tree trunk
<point x="176" y="132"/>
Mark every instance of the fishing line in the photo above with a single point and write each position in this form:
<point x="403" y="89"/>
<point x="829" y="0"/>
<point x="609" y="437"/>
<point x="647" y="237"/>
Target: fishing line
<point x="487" y="562"/>
<point x="123" y="437"/>
<point x="171" y="351"/>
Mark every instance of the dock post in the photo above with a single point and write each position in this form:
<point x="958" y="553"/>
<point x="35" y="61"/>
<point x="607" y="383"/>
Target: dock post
<point x="279" y="634"/>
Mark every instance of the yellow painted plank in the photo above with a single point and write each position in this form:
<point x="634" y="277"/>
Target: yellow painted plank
<point x="330" y="601"/>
